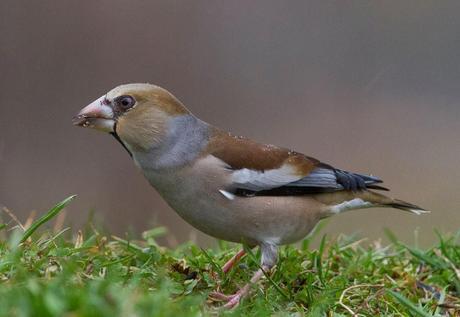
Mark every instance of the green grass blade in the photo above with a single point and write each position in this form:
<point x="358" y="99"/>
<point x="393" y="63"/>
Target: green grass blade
<point x="129" y="245"/>
<point x="314" y="233"/>
<point x="434" y="261"/>
<point x="319" y="257"/>
<point x="46" y="217"/>
<point x="253" y="257"/>
<point x="391" y="236"/>
<point x="417" y="311"/>
<point x="216" y="267"/>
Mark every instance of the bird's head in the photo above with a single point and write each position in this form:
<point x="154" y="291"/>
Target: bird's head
<point x="135" y="113"/>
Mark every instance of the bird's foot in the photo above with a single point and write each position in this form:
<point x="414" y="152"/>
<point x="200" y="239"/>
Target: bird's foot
<point x="232" y="301"/>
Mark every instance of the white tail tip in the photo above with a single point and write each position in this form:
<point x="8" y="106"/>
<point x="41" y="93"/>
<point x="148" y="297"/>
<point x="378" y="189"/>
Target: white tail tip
<point x="419" y="211"/>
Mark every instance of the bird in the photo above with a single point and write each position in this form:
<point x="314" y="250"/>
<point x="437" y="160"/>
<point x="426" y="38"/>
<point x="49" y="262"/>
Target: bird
<point x="227" y="186"/>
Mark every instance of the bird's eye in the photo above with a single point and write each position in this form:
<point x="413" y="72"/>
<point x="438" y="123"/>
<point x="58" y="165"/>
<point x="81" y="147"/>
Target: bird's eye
<point x="126" y="102"/>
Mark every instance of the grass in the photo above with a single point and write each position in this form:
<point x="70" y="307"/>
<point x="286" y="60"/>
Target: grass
<point x="64" y="273"/>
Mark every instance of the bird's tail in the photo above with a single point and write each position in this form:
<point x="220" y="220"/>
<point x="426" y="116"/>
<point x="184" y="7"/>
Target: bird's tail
<point x="384" y="201"/>
<point x="403" y="205"/>
<point x="347" y="200"/>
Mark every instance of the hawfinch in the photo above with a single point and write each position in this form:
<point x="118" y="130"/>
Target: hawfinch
<point x="228" y="186"/>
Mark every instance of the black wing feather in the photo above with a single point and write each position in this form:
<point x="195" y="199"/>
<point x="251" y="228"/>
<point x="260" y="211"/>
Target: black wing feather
<point x="324" y="179"/>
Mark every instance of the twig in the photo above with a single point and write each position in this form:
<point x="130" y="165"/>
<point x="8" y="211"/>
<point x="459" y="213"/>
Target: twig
<point x="78" y="240"/>
<point x="353" y="244"/>
<point x="452" y="265"/>
<point x="59" y="222"/>
<point x="30" y="219"/>
<point x="13" y="216"/>
<point x="341" y="303"/>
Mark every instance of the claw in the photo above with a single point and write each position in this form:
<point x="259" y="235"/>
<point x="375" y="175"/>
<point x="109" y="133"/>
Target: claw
<point x="232" y="301"/>
<point x="220" y="296"/>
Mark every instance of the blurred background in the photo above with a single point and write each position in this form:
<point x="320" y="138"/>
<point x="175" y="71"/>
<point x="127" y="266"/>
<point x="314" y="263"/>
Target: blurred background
<point x="367" y="86"/>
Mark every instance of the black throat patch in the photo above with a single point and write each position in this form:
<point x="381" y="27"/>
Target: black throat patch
<point x="115" y="135"/>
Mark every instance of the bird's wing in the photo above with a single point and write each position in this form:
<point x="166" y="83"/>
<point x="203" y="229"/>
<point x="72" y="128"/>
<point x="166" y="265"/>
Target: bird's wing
<point x="260" y="169"/>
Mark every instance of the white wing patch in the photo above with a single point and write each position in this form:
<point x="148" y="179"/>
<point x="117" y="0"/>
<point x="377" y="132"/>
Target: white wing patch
<point x="264" y="180"/>
<point x="226" y="194"/>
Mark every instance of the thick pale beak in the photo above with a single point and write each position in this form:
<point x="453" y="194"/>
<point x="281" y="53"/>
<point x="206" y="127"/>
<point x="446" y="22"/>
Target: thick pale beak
<point x="97" y="115"/>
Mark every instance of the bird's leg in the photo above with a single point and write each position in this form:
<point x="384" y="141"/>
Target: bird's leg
<point x="226" y="268"/>
<point x="230" y="263"/>
<point x="234" y="300"/>
<point x="269" y="258"/>
<point x="241" y="292"/>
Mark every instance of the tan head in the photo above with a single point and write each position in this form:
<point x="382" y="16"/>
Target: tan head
<point x="136" y="113"/>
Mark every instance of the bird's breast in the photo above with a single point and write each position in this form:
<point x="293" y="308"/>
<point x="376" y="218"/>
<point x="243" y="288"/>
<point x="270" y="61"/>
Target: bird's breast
<point x="194" y="193"/>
